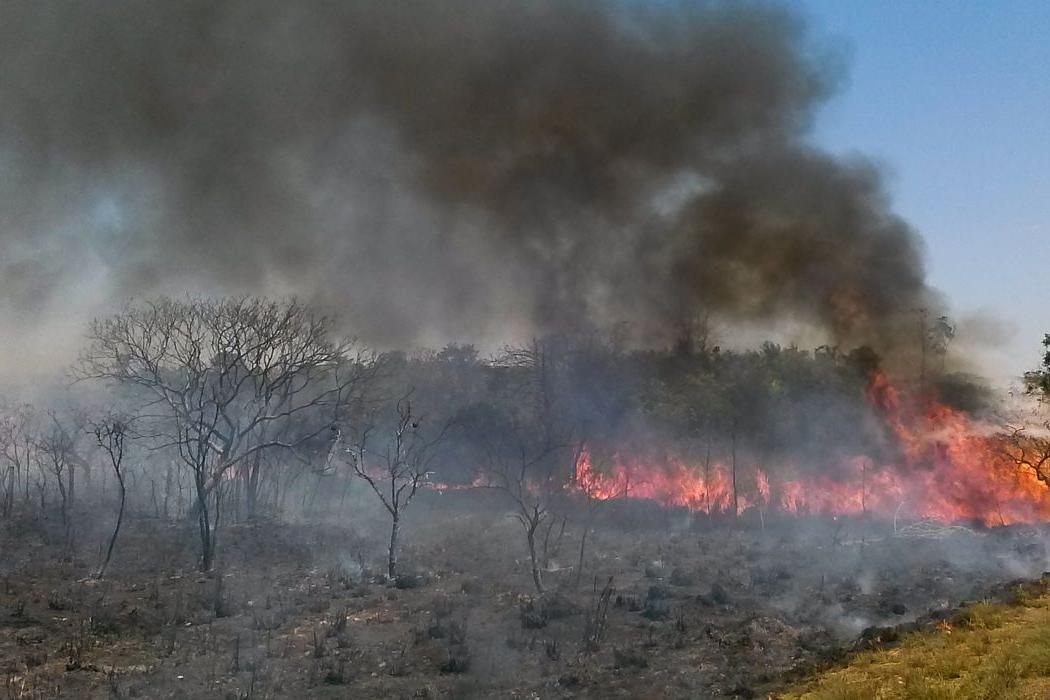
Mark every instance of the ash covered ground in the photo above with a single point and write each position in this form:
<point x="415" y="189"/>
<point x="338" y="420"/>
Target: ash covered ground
<point x="667" y="605"/>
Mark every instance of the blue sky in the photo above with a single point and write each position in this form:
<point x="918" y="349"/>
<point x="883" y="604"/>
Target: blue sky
<point x="953" y="100"/>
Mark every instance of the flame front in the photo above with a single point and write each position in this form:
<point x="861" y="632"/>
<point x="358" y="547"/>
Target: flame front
<point x="949" y="468"/>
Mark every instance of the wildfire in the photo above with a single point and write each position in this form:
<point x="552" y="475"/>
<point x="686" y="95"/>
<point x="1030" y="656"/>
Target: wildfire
<point x="442" y="487"/>
<point x="948" y="468"/>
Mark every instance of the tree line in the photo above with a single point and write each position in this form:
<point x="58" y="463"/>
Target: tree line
<point x="203" y="410"/>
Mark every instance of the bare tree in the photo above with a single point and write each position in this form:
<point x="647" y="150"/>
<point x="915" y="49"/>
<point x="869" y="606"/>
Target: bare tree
<point x="110" y="435"/>
<point x="528" y="473"/>
<point x="395" y="461"/>
<point x="529" y="452"/>
<point x="58" y="453"/>
<point x="18" y="445"/>
<point x="220" y="381"/>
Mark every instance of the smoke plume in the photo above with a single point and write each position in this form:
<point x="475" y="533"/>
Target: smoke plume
<point x="434" y="170"/>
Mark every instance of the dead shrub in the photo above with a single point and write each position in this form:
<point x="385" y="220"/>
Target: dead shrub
<point x="58" y="602"/>
<point x="335" y="672"/>
<point x="629" y="658"/>
<point x="458" y="659"/>
<point x="598" y="617"/>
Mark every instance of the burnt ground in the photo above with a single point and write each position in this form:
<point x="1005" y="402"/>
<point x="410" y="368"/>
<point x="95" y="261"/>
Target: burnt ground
<point x="697" y="609"/>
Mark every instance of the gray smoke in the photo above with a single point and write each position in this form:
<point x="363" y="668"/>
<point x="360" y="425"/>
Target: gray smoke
<point x="433" y="170"/>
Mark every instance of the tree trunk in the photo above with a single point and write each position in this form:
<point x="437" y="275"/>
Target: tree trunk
<point x="391" y="562"/>
<point x="583" y="547"/>
<point x="707" y="480"/>
<point x="65" y="501"/>
<point x="204" y="524"/>
<point x="72" y="488"/>
<point x="207" y="554"/>
<point x="167" y="490"/>
<point x="251" y="486"/>
<point x="116" y="530"/>
<point x="736" y="502"/>
<point x="536" y="575"/>
<point x="9" y="493"/>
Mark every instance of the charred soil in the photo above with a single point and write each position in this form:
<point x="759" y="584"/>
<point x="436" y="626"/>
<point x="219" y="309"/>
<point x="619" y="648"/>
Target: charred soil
<point x="667" y="605"/>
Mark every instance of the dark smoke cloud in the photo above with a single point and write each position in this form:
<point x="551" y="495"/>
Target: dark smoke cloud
<point x="438" y="169"/>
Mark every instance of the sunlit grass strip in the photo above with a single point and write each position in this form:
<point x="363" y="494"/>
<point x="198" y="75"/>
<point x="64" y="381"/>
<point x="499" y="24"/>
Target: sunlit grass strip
<point x="990" y="651"/>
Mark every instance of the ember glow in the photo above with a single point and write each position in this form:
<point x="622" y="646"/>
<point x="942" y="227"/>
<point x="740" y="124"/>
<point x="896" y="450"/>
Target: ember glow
<point x="947" y="467"/>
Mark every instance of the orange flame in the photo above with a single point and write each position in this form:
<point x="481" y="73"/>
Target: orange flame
<point x="440" y="486"/>
<point x="949" y="468"/>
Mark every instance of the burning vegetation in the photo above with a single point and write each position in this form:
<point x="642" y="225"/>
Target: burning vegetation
<point x="570" y="514"/>
<point x="937" y="462"/>
<point x="255" y="491"/>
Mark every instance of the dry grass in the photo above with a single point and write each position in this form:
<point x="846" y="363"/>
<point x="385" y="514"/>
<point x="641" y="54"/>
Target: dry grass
<point x="994" y="651"/>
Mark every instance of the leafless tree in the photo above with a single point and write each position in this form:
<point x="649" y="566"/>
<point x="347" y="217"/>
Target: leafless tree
<point x="395" y="461"/>
<point x="529" y="453"/>
<point x="220" y="381"/>
<point x="111" y="435"/>
<point x="529" y="473"/>
<point x="59" y="453"/>
<point x="18" y="445"/>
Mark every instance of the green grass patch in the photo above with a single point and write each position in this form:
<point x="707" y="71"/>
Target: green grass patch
<point x="990" y="651"/>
